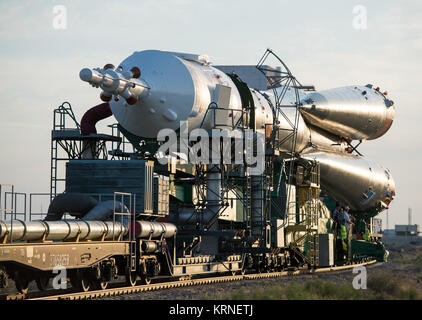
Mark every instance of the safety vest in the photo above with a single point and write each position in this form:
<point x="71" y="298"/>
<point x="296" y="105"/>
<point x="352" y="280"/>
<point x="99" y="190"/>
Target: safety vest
<point x="343" y="236"/>
<point x="343" y="232"/>
<point x="366" y="235"/>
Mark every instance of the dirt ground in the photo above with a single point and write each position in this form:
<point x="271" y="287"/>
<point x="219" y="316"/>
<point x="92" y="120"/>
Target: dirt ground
<point x="399" y="278"/>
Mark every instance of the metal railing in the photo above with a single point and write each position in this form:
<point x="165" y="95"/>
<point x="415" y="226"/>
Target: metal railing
<point x="131" y="223"/>
<point x="40" y="214"/>
<point x="124" y="146"/>
<point x="14" y="201"/>
<point x="11" y="201"/>
<point x="3" y="203"/>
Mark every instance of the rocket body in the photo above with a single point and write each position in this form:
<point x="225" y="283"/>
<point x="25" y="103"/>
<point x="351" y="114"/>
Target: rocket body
<point x="180" y="90"/>
<point x="355" y="181"/>
<point x="173" y="87"/>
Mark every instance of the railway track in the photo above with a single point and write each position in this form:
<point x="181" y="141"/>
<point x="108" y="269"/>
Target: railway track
<point x="177" y="284"/>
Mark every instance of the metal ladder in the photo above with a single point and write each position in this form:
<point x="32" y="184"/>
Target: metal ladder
<point x="305" y="223"/>
<point x="312" y="239"/>
<point x="312" y="216"/>
<point x="247" y="205"/>
<point x="313" y="250"/>
<point x="59" y="124"/>
<point x="53" y="170"/>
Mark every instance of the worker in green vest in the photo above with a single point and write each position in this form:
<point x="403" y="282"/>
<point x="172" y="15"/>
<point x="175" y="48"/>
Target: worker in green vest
<point x="343" y="237"/>
<point x="365" y="236"/>
<point x="341" y="246"/>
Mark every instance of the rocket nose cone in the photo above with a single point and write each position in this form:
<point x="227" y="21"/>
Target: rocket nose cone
<point x="389" y="118"/>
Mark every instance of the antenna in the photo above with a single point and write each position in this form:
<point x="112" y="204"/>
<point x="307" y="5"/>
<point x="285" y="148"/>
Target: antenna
<point x="410" y="216"/>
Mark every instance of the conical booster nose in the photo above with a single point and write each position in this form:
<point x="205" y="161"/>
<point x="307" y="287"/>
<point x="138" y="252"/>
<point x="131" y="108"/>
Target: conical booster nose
<point x="354" y="112"/>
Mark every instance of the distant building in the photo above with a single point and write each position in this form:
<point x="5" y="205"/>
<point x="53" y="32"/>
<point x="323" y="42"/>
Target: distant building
<point x="407" y="230"/>
<point x="402" y="234"/>
<point x="389" y="232"/>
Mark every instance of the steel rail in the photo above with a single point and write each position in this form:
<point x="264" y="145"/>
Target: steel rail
<point x="184" y="283"/>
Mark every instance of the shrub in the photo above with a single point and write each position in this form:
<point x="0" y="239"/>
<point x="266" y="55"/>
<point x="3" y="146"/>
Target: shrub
<point x="387" y="287"/>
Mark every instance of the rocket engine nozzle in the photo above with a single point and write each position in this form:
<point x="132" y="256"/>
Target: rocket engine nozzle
<point x="117" y="82"/>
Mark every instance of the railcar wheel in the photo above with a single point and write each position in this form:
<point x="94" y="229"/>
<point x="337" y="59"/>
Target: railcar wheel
<point x="4" y="278"/>
<point x="42" y="283"/>
<point x="146" y="280"/>
<point x="97" y="279"/>
<point x="260" y="269"/>
<point x="21" y="283"/>
<point x="103" y="285"/>
<point x="80" y="280"/>
<point x="131" y="278"/>
<point x="100" y="285"/>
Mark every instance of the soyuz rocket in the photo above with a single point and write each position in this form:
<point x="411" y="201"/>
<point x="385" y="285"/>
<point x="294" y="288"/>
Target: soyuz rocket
<point x="156" y="90"/>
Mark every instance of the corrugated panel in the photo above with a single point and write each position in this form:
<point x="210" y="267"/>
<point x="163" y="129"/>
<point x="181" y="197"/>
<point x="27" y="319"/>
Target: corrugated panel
<point x="161" y="196"/>
<point x="108" y="176"/>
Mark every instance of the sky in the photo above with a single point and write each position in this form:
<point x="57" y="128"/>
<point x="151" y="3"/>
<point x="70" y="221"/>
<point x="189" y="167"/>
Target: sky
<point x="318" y="40"/>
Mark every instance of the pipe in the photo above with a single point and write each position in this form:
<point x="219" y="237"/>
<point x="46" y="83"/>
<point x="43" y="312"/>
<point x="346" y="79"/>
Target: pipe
<point x="61" y="230"/>
<point x="190" y="217"/>
<point x="146" y="229"/>
<point x="88" y="122"/>
<point x="92" y="116"/>
<point x="76" y="204"/>
<point x="213" y="183"/>
<point x="105" y="209"/>
<point x="149" y="246"/>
